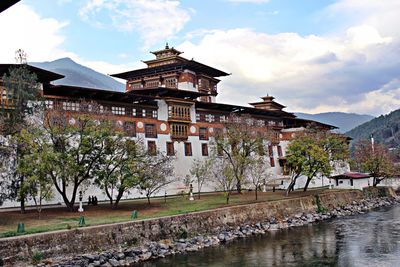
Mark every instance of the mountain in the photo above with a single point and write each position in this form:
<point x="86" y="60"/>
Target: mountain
<point x="78" y="75"/>
<point x="345" y="121"/>
<point x="385" y="129"/>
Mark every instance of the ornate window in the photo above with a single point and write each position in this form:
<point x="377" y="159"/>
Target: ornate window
<point x="150" y="130"/>
<point x="170" y="149"/>
<point x="49" y="104"/>
<point x="210" y="118"/>
<point x="203" y="133"/>
<point x="179" y="112"/>
<point x="170" y="82"/>
<point x="280" y="151"/>
<point x="130" y="128"/>
<point x="152" y="83"/>
<point x="136" y="85"/>
<point x="179" y="130"/>
<point x="204" y="150"/>
<point x="272" y="161"/>
<point x="70" y="105"/>
<point x="118" y="110"/>
<point x="151" y="148"/>
<point x="188" y="149"/>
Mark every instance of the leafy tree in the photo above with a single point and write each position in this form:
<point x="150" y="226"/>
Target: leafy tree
<point x="70" y="151"/>
<point x="375" y="160"/>
<point x="37" y="185"/>
<point x="118" y="168"/>
<point x="155" y="172"/>
<point x="201" y="172"/>
<point x="242" y="137"/>
<point x="314" y="153"/>
<point x="22" y="92"/>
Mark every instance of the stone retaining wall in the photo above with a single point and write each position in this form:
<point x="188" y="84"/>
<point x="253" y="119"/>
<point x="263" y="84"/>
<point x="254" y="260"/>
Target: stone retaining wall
<point x="98" y="238"/>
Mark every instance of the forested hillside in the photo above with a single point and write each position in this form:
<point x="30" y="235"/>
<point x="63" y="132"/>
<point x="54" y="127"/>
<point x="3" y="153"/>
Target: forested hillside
<point x="385" y="129"/>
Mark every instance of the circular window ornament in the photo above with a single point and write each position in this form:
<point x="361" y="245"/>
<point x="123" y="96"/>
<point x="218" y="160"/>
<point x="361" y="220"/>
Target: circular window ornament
<point x="140" y="125"/>
<point x="163" y="127"/>
<point x="72" y="121"/>
<point x="192" y="129"/>
<point x="293" y="135"/>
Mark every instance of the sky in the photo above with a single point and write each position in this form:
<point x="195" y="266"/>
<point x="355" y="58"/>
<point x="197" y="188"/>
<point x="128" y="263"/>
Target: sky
<point x="312" y="55"/>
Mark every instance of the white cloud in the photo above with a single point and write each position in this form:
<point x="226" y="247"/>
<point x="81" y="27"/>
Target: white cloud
<point x="154" y="20"/>
<point x="308" y="73"/>
<point x="39" y="37"/>
<point x="42" y="40"/>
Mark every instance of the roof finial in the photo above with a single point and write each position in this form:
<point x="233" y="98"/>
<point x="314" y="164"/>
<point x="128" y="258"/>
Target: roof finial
<point x="166" y="46"/>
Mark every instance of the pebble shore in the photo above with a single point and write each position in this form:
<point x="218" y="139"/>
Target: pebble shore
<point x="167" y="247"/>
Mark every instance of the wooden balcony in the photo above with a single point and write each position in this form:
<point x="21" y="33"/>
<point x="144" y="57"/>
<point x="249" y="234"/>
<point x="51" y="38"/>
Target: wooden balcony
<point x="179" y="131"/>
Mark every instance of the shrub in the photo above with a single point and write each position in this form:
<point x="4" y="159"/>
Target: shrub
<point x="37" y="257"/>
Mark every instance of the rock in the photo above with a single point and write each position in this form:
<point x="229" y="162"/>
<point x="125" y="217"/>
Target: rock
<point x="145" y="256"/>
<point x="114" y="263"/>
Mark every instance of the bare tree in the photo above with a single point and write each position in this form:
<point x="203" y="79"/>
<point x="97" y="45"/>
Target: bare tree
<point x="242" y="136"/>
<point x="224" y="178"/>
<point x="201" y="172"/>
<point x="155" y="172"/>
<point x="259" y="173"/>
<point x="376" y="160"/>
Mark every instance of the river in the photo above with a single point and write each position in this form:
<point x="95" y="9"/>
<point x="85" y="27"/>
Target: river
<point x="371" y="239"/>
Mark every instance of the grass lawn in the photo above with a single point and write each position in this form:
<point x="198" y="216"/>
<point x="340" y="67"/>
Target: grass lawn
<point x="60" y="218"/>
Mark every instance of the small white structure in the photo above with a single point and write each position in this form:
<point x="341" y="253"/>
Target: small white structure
<point x="352" y="180"/>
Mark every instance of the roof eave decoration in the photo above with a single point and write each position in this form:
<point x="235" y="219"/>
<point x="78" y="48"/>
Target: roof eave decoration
<point x="190" y="64"/>
<point x="42" y="74"/>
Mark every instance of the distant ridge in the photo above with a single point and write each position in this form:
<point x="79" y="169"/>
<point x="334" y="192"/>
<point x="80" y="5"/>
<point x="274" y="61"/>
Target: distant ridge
<point x="385" y="129"/>
<point x="344" y="121"/>
<point x="79" y="75"/>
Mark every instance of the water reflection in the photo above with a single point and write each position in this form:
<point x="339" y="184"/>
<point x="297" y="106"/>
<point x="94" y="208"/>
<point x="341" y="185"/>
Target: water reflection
<point x="364" y="240"/>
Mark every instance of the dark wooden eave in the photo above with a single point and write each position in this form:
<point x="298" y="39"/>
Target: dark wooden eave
<point x="88" y="94"/>
<point x="297" y="122"/>
<point x="243" y="110"/>
<point x="189" y="64"/>
<point x="167" y="92"/>
<point x="44" y="76"/>
<point x="4" y="4"/>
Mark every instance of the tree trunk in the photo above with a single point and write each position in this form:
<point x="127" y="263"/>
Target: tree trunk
<point x="198" y="190"/>
<point x="376" y="181"/>
<point x="256" y="193"/>
<point x="239" y="187"/>
<point x="119" y="196"/>
<point x="148" y="199"/>
<point x="22" y="196"/>
<point x="109" y="197"/>
<point x="307" y="184"/>
<point x="227" y="197"/>
<point x="22" y="204"/>
<point x="290" y="187"/>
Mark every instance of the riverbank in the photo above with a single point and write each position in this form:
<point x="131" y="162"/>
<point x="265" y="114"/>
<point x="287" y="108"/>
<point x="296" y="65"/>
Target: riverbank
<point x="168" y="247"/>
<point x="191" y="232"/>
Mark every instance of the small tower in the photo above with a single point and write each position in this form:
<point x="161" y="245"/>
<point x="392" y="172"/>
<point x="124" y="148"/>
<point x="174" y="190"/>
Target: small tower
<point x="166" y="52"/>
<point x="268" y="103"/>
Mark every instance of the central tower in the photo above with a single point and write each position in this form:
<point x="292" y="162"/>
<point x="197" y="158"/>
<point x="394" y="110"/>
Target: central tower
<point x="171" y="71"/>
